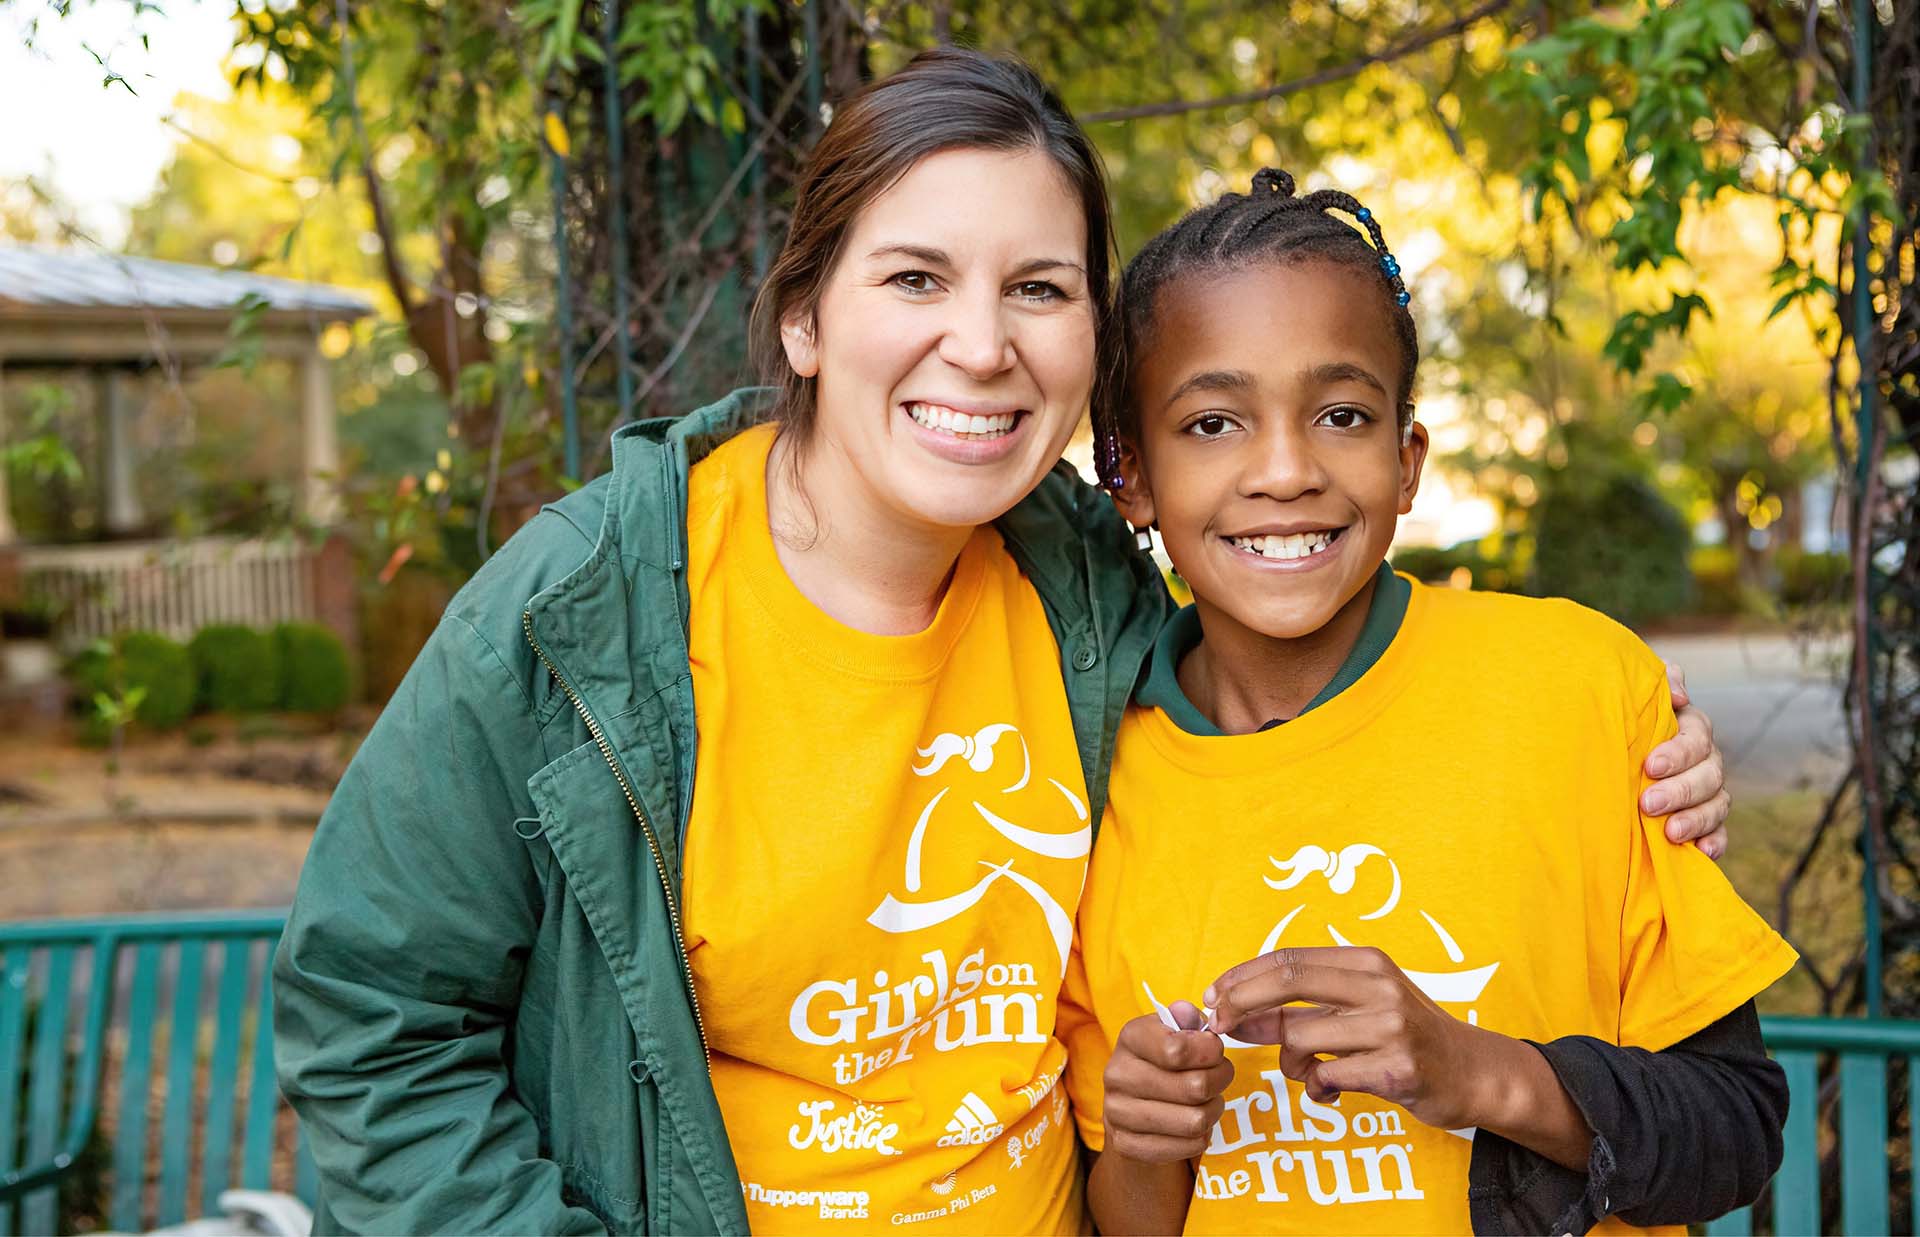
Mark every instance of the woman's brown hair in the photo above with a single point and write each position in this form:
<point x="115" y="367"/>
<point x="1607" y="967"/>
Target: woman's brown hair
<point x="944" y="99"/>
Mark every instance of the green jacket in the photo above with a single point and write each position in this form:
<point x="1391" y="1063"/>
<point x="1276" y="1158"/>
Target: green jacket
<point x="483" y="1011"/>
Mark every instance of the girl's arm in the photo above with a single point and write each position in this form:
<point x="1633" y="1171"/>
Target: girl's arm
<point x="1131" y="1196"/>
<point x="1689" y="1132"/>
<point x="1163" y="1095"/>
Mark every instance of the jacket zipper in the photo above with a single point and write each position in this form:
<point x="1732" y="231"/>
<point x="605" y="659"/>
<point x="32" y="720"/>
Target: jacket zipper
<point x="653" y="842"/>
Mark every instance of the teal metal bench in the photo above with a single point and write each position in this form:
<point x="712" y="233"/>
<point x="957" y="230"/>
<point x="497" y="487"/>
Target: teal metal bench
<point x="100" y="992"/>
<point x="83" y="1005"/>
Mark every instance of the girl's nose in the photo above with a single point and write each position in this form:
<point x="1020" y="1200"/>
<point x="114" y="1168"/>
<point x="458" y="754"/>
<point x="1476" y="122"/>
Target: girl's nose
<point x="1283" y="464"/>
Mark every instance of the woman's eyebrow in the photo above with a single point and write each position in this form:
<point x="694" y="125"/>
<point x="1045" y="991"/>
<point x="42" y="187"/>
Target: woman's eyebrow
<point x="1225" y="381"/>
<point x="929" y="256"/>
<point x="1034" y="266"/>
<point x="1343" y="371"/>
<point x="919" y="253"/>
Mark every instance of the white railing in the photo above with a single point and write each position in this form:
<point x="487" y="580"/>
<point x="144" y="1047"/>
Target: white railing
<point x="172" y="587"/>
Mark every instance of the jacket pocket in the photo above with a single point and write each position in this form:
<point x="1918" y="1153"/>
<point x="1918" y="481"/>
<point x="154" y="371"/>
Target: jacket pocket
<point x="580" y="1188"/>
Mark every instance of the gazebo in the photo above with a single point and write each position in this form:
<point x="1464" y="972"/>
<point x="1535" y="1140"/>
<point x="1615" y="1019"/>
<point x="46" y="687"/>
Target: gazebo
<point x="108" y="318"/>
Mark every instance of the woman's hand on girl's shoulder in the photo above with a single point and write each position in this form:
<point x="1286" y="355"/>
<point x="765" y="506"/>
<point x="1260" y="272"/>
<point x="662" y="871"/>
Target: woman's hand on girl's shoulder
<point x="1692" y="790"/>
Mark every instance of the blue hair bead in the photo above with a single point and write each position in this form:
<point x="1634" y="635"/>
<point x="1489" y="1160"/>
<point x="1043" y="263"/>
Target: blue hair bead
<point x="1401" y="298"/>
<point x="1365" y="215"/>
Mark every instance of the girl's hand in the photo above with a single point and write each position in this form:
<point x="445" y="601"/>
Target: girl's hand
<point x="1164" y="1088"/>
<point x="1367" y="1029"/>
<point x="1693" y="790"/>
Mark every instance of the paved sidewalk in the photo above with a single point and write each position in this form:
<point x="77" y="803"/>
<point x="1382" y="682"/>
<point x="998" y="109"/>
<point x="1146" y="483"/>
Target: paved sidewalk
<point x="1776" y="706"/>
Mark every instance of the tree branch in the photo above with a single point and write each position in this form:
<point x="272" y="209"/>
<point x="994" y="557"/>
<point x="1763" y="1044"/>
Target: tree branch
<point x="382" y="222"/>
<point x="1406" y="47"/>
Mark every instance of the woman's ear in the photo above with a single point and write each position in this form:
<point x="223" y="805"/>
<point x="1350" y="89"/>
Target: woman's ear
<point x="1134" y="498"/>
<point x="797" y="339"/>
<point x="1413" y="456"/>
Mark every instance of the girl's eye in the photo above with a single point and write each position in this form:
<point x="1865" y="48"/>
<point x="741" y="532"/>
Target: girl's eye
<point x="1037" y="290"/>
<point x="1212" y="425"/>
<point x="914" y="281"/>
<point x="1347" y="418"/>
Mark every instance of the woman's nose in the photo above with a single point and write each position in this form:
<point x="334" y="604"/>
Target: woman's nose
<point x="976" y="339"/>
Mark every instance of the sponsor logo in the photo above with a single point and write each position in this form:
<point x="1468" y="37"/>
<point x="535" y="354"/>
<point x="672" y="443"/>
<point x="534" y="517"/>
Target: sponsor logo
<point x="973" y="1124"/>
<point x="831" y="1204"/>
<point x="959" y="1202"/>
<point x="943" y="1186"/>
<point x="863" y="1129"/>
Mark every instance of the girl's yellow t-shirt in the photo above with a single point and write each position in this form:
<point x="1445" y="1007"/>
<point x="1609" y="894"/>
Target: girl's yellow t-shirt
<point x="1470" y="806"/>
<point x="888" y="840"/>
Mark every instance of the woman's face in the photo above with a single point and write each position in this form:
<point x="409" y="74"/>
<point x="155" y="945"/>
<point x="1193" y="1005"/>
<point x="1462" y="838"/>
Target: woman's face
<point x="954" y="341"/>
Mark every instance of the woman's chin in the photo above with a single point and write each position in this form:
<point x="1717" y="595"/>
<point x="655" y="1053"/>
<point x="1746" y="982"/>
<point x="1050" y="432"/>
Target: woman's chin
<point x="955" y="496"/>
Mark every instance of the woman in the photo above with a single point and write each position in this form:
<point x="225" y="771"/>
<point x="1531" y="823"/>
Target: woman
<point x="715" y="863"/>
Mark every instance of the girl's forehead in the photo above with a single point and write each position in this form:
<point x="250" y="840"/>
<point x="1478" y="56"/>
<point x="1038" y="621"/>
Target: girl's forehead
<point x="1273" y="310"/>
<point x="1270" y="316"/>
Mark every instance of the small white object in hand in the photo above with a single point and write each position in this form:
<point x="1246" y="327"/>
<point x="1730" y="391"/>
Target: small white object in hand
<point x="1166" y="1020"/>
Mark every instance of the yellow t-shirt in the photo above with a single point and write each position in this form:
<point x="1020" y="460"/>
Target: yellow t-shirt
<point x="1470" y="806"/>
<point x="888" y="840"/>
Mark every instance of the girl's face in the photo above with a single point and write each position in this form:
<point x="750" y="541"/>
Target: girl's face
<point x="954" y="340"/>
<point x="1267" y="447"/>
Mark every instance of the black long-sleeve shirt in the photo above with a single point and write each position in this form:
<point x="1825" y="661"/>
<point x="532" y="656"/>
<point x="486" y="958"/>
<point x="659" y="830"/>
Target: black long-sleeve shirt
<point x="1679" y="1136"/>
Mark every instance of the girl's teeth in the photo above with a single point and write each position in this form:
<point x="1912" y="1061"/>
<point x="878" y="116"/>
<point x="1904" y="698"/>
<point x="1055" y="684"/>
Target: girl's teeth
<point x="1298" y="545"/>
<point x="961" y="424"/>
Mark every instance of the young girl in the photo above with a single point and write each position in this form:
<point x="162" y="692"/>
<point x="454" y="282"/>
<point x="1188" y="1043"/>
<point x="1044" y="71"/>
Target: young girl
<point x="1387" y="837"/>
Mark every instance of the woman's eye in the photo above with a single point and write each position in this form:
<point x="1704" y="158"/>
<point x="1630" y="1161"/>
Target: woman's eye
<point x="1345" y="418"/>
<point x="1037" y="290"/>
<point x="1210" y="426"/>
<point x="914" y="281"/>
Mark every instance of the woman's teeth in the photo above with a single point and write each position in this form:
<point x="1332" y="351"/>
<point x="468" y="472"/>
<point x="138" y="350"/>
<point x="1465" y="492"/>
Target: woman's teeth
<point x="961" y="424"/>
<point x="1296" y="545"/>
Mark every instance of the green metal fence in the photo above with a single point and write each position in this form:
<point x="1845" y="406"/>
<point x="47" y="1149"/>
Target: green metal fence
<point x="158" y="1029"/>
<point x="119" y="1034"/>
<point x="1848" y="1064"/>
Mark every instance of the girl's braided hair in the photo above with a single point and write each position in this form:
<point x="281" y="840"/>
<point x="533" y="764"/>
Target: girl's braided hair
<point x="1268" y="224"/>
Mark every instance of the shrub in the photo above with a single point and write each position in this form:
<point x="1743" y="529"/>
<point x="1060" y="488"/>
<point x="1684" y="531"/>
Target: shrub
<point x="1433" y="565"/>
<point x="1428" y="564"/>
<point x="314" y="675"/>
<point x="1716" y="581"/>
<point x="1613" y="544"/>
<point x="236" y="669"/>
<point x="159" y="668"/>
<point x="1808" y="578"/>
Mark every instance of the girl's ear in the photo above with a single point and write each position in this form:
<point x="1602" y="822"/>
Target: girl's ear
<point x="1134" y="498"/>
<point x="797" y="339"/>
<point x="1413" y="457"/>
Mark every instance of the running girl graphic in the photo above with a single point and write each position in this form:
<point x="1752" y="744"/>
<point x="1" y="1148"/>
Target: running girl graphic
<point x="1341" y="870"/>
<point x="980" y="751"/>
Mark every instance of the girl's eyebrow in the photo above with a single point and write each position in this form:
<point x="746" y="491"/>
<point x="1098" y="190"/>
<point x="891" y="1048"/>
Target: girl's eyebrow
<point x="1224" y="381"/>
<point x="1343" y="371"/>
